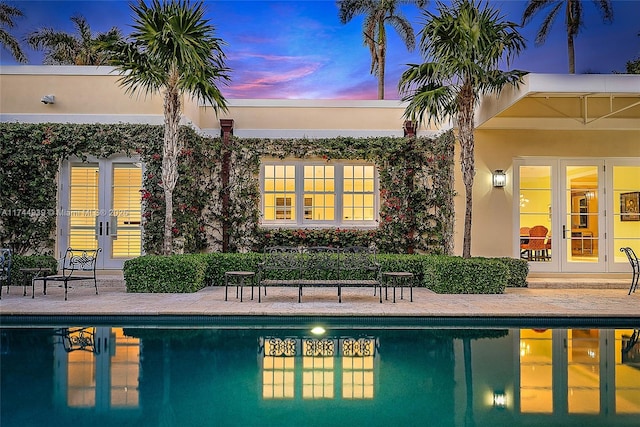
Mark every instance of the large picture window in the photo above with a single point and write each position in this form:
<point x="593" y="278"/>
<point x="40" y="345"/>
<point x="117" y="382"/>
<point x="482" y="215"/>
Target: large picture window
<point x="307" y="193"/>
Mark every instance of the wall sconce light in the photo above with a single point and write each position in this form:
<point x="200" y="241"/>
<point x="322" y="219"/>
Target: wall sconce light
<point x="499" y="399"/>
<point x="48" y="99"/>
<point x="499" y="178"/>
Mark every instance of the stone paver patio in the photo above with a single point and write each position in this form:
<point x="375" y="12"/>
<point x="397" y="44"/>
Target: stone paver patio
<point x="609" y="299"/>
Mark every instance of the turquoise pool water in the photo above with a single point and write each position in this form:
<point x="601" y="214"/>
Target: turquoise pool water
<point x="280" y="374"/>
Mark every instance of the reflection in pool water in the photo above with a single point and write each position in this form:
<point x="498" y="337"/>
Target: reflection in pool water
<point x="108" y="376"/>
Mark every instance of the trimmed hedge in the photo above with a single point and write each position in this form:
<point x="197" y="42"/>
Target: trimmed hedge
<point x="455" y="275"/>
<point x="518" y="271"/>
<point x="440" y="273"/>
<point x="156" y="273"/>
<point x="218" y="263"/>
<point x="30" y="261"/>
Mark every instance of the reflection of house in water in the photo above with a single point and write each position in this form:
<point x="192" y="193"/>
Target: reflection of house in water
<point x="576" y="371"/>
<point x="211" y="376"/>
<point x="314" y="368"/>
<point x="96" y="368"/>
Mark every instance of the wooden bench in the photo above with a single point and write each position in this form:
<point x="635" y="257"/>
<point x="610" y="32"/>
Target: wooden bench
<point x="77" y="264"/>
<point x="319" y="266"/>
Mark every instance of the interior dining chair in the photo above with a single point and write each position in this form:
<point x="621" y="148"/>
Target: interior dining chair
<point x="524" y="240"/>
<point x="547" y="248"/>
<point x="536" y="246"/>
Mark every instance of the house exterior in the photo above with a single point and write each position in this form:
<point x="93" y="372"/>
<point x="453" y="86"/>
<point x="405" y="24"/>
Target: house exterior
<point x="569" y="147"/>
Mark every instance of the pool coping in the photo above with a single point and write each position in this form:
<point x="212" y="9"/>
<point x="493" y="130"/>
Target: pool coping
<point x="308" y="321"/>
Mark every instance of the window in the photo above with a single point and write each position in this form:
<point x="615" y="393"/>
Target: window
<point x="358" y="203"/>
<point x="305" y="193"/>
<point x="279" y="192"/>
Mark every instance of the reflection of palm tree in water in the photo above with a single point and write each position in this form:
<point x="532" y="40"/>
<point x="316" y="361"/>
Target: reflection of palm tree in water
<point x="469" y="420"/>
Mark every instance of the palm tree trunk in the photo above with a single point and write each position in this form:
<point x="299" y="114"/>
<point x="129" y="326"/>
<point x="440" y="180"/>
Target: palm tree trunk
<point x="381" y="65"/>
<point x="465" y="129"/>
<point x="572" y="27"/>
<point x="381" y="53"/>
<point x="170" y="151"/>
<point x="469" y="420"/>
<point x="572" y="54"/>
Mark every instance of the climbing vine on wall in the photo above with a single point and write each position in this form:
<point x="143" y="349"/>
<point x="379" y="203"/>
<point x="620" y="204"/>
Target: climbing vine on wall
<point x="416" y="175"/>
<point x="31" y="155"/>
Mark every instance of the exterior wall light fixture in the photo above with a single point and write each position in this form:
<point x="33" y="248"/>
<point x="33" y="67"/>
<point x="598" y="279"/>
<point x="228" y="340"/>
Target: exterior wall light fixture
<point x="48" y="99"/>
<point x="499" y="178"/>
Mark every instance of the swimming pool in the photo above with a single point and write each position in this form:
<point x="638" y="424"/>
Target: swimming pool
<point x="347" y="372"/>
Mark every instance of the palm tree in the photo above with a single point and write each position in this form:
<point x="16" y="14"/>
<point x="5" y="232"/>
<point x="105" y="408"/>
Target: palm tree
<point x="7" y="13"/>
<point x="67" y="49"/>
<point x="465" y="45"/>
<point x="633" y="66"/>
<point x="377" y="14"/>
<point x="172" y="51"/>
<point x="573" y="19"/>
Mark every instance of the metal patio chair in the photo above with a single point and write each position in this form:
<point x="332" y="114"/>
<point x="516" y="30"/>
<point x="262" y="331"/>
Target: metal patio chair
<point x="77" y="264"/>
<point x="635" y="267"/>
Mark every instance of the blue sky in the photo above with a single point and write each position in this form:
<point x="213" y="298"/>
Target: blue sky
<point x="300" y="50"/>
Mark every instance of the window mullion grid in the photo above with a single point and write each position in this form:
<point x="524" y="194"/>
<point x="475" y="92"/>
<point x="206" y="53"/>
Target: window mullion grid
<point x="339" y="192"/>
<point x="299" y="194"/>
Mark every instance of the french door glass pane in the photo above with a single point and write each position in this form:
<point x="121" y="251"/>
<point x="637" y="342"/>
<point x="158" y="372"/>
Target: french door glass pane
<point x="626" y="218"/>
<point x="83" y="206"/>
<point x="535" y="211"/>
<point x="582" y="213"/>
<point x="127" y="181"/>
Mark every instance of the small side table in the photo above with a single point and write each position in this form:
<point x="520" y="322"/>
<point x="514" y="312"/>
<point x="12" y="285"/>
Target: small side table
<point x="34" y="272"/>
<point x="238" y="278"/>
<point x="398" y="278"/>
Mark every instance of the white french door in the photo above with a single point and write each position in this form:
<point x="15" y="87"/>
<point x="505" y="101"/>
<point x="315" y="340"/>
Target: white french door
<point x="100" y="207"/>
<point x="588" y="206"/>
<point x="582" y="206"/>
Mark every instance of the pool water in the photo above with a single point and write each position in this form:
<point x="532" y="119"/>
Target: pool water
<point x="268" y="376"/>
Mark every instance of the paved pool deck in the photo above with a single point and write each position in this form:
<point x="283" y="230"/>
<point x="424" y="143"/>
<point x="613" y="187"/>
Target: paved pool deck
<point x="550" y="298"/>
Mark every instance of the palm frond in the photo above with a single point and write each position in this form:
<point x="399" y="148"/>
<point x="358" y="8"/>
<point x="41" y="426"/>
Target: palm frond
<point x="463" y="43"/>
<point x="347" y="9"/>
<point x="7" y="13"/>
<point x="171" y="41"/>
<point x="9" y="42"/>
<point x="404" y="29"/>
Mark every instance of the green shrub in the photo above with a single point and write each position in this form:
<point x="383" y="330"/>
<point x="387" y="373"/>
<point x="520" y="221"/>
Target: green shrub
<point x="156" y="273"/>
<point x="335" y="237"/>
<point x="440" y="273"/>
<point x="518" y="271"/>
<point x="218" y="263"/>
<point x="409" y="263"/>
<point x="18" y="278"/>
<point x="455" y="275"/>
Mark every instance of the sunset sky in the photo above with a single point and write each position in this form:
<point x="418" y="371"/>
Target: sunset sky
<point x="300" y="50"/>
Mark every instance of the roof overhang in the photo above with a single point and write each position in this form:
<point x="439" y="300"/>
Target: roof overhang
<point x="565" y="102"/>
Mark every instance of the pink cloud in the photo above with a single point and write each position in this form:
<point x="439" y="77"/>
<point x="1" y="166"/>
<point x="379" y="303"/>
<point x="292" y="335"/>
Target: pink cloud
<point x="259" y="81"/>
